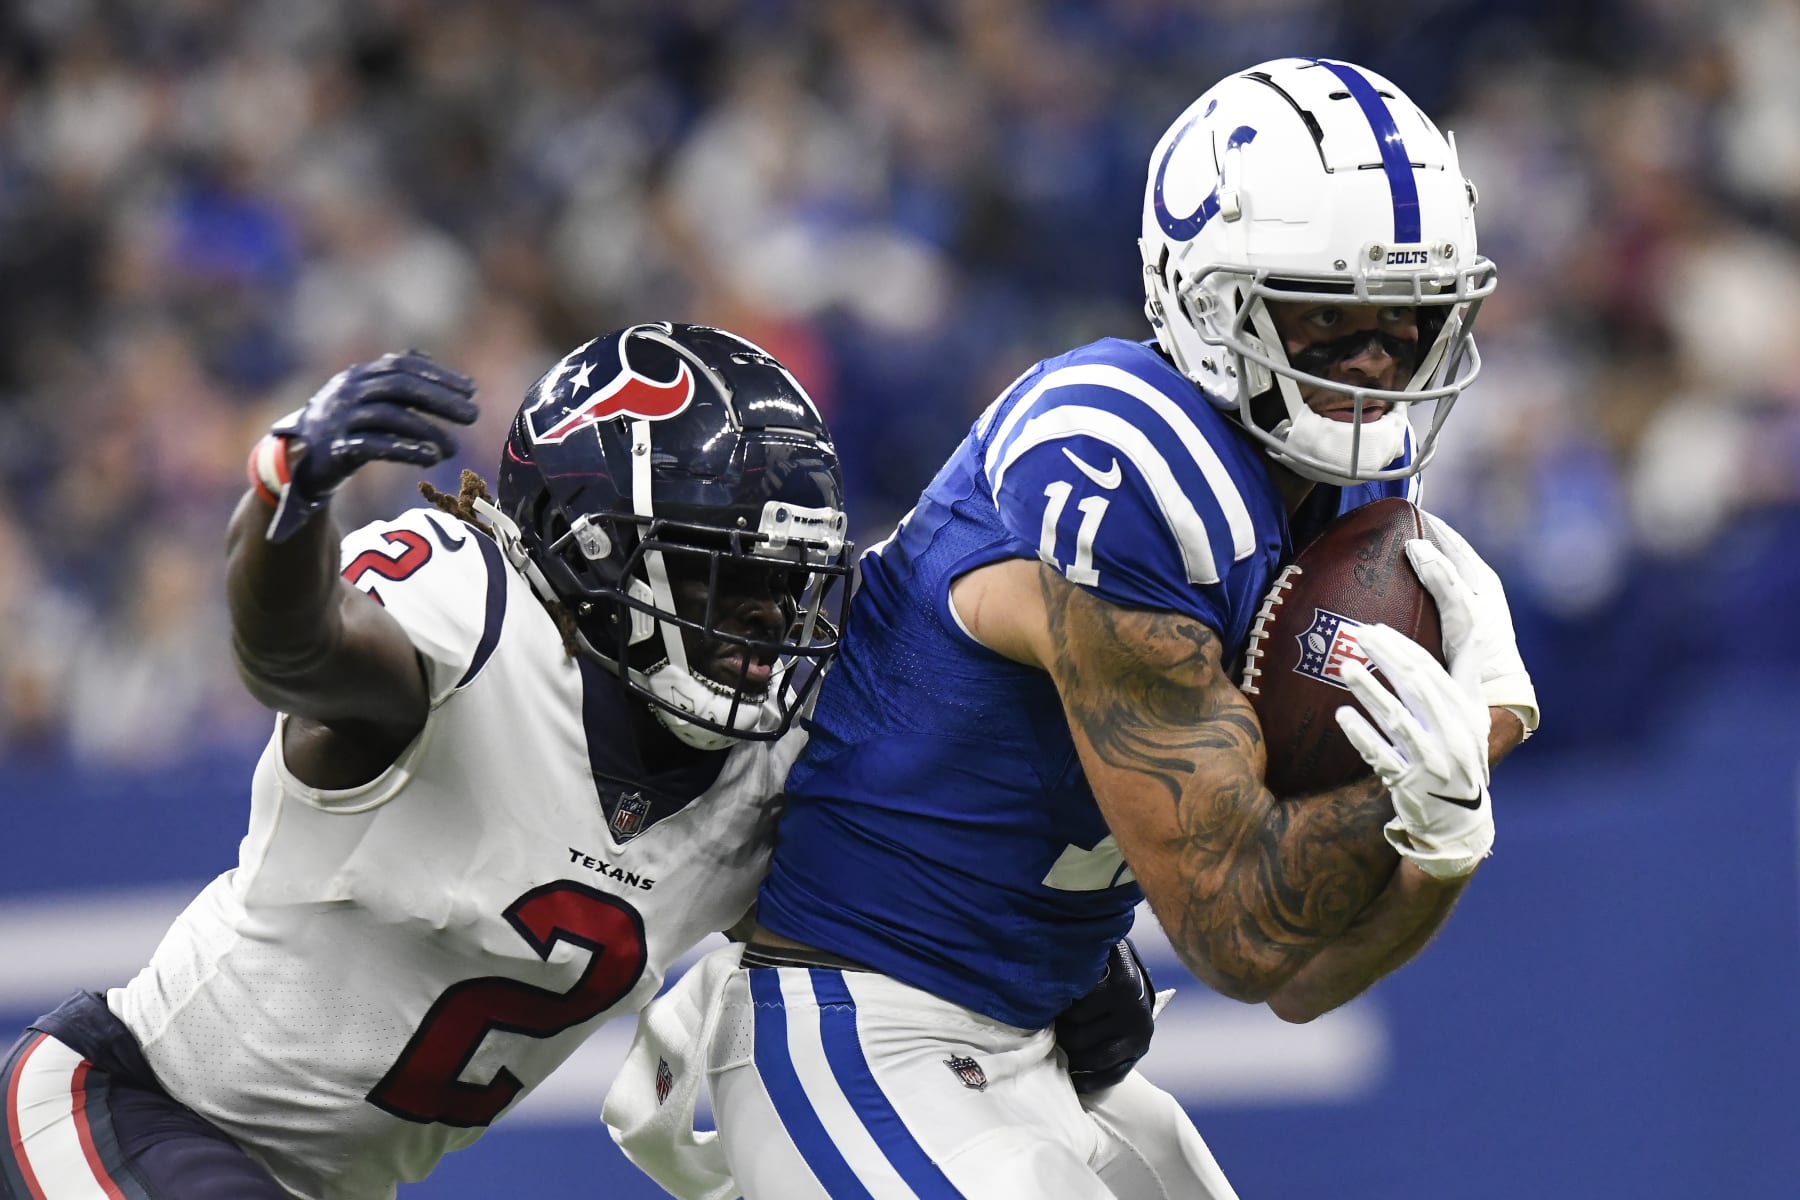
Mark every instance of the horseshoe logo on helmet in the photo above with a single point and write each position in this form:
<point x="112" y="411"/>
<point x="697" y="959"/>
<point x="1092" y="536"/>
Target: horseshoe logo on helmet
<point x="1185" y="229"/>
<point x="627" y="395"/>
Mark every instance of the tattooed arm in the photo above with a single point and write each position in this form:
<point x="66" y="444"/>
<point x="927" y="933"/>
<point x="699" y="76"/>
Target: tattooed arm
<point x="1394" y="928"/>
<point x="1249" y="888"/>
<point x="1382" y="939"/>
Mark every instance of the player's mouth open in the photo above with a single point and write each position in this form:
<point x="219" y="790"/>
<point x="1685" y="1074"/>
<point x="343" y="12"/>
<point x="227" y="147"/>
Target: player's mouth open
<point x="1372" y="410"/>
<point x="729" y="669"/>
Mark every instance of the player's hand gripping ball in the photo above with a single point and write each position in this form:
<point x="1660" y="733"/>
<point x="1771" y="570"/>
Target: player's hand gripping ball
<point x="1354" y="574"/>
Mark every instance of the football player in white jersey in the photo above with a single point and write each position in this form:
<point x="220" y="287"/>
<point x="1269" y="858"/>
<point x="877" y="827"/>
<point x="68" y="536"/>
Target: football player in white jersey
<point x="1034" y="723"/>
<point x="525" y="756"/>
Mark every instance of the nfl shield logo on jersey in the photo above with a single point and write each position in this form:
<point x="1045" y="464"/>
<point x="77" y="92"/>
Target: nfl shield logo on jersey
<point x="628" y="816"/>
<point x="665" y="1079"/>
<point x="969" y="1071"/>
<point x="1328" y="645"/>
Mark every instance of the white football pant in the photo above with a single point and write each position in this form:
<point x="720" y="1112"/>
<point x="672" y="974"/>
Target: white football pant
<point x="841" y="1085"/>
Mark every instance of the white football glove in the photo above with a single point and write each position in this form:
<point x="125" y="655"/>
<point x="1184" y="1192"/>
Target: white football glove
<point x="1431" y="747"/>
<point x="1504" y="681"/>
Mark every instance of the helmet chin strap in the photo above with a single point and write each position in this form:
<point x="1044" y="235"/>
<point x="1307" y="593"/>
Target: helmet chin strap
<point x="681" y="689"/>
<point x="1316" y="447"/>
<point x="512" y="545"/>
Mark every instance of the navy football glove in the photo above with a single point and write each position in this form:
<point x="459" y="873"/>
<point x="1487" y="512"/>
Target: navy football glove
<point x="386" y="409"/>
<point x="1104" y="1033"/>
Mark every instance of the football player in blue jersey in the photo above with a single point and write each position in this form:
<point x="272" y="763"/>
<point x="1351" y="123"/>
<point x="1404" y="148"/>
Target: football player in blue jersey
<point x="1033" y="723"/>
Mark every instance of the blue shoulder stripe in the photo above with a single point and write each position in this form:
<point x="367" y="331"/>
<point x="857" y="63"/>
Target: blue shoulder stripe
<point x="1031" y="423"/>
<point x="496" y="606"/>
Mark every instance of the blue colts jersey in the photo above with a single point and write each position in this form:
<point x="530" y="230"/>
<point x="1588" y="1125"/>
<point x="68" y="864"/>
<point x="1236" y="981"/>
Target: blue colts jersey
<point x="939" y="825"/>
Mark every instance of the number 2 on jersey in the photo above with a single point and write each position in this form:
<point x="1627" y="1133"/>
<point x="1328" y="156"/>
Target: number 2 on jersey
<point x="423" y="1083"/>
<point x="415" y="552"/>
<point x="1092" y="508"/>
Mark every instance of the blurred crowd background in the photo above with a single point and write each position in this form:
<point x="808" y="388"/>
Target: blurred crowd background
<point x="207" y="207"/>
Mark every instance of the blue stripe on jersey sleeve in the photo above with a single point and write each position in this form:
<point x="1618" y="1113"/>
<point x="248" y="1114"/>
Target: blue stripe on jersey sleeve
<point x="1112" y="467"/>
<point x="495" y="614"/>
<point x="1115" y="542"/>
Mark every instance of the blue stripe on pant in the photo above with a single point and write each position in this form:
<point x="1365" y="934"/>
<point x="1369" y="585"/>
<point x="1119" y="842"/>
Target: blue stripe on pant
<point x="850" y="1068"/>
<point x="775" y="1066"/>
<point x="843" y="1050"/>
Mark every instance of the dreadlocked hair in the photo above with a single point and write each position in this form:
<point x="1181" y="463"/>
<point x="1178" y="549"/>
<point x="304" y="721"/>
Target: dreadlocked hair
<point x="462" y="507"/>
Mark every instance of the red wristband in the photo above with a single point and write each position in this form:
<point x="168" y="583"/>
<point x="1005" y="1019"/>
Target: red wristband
<point x="268" y="469"/>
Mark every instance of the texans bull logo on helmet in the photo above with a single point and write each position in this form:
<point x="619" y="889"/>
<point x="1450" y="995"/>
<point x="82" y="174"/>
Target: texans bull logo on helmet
<point x="627" y="394"/>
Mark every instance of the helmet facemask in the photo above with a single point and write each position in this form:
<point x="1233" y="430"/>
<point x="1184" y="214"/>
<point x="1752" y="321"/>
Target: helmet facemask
<point x="649" y="621"/>
<point x="1271" y="405"/>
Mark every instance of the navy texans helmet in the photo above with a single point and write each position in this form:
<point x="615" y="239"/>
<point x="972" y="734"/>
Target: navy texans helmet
<point x="666" y="451"/>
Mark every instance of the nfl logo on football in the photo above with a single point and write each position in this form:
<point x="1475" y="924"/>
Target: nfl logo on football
<point x="1327" y="645"/>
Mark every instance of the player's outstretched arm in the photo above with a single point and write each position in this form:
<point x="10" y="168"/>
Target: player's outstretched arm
<point x="306" y="642"/>
<point x="1248" y="887"/>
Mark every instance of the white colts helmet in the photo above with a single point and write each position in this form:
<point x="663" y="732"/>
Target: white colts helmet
<point x="1306" y="179"/>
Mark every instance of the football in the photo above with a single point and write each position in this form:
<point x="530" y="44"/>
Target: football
<point x="1355" y="573"/>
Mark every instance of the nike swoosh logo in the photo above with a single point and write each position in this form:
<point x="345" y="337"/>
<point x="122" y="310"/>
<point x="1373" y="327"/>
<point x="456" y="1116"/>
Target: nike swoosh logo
<point x="1474" y="805"/>
<point x="1108" y="479"/>
<point x="443" y="536"/>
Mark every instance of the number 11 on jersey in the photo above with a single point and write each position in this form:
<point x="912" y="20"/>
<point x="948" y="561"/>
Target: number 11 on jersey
<point x="1092" y="508"/>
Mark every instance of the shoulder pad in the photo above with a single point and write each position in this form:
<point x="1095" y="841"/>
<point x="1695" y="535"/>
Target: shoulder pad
<point x="444" y="582"/>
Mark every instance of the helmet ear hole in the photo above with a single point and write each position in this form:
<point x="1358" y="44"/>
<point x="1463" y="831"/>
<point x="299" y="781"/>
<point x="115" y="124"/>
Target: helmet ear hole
<point x="1191" y="307"/>
<point x="1267" y="409"/>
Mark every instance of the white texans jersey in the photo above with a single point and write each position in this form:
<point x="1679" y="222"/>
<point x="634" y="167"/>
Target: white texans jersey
<point x="390" y="967"/>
